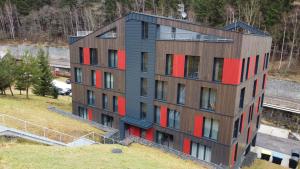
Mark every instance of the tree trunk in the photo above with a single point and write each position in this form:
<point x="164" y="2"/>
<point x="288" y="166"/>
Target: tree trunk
<point x="293" y="41"/>
<point x="11" y="91"/>
<point x="20" y="92"/>
<point x="27" y="97"/>
<point x="282" y="45"/>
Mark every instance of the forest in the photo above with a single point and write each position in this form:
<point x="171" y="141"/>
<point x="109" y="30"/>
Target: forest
<point x="55" y="20"/>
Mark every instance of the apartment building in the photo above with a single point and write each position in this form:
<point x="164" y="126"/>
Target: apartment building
<point x="192" y="88"/>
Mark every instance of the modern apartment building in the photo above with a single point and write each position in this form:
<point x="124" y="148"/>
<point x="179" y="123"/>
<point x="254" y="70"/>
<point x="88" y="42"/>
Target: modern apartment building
<point x="192" y="88"/>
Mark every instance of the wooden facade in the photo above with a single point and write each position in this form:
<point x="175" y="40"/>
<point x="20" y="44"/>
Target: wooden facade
<point x="227" y="110"/>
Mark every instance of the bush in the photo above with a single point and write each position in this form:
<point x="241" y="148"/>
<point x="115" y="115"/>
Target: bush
<point x="54" y="92"/>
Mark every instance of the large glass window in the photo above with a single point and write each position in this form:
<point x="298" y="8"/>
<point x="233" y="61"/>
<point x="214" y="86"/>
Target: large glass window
<point x="161" y="90"/>
<point x="236" y="128"/>
<point x="242" y="72"/>
<point x="256" y="64"/>
<point x="93" y="56"/>
<point x="181" y="94"/>
<point x="250" y="113"/>
<point x="80" y="55"/>
<point x="157" y="114"/>
<point x="112" y="58"/>
<point x="201" y="152"/>
<point x="264" y="81"/>
<point x="107" y="120"/>
<point x="208" y="98"/>
<point x="115" y="104"/>
<point x="211" y="128"/>
<point x="191" y="66"/>
<point x="144" y="85"/>
<point x="109" y="80"/>
<point x="242" y="96"/>
<point x="144" y="30"/>
<point x="93" y="78"/>
<point x="169" y="64"/>
<point x="144" y="62"/>
<point x="173" y="119"/>
<point x="254" y="88"/>
<point x="241" y="122"/>
<point x="104" y="101"/>
<point x="218" y="69"/>
<point x="91" y="98"/>
<point x="247" y="68"/>
<point x="78" y="75"/>
<point x="82" y="112"/>
<point x="164" y="139"/>
<point x="143" y="110"/>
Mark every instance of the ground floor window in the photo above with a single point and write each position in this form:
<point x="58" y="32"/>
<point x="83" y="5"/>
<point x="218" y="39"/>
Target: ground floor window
<point x="164" y="139"/>
<point x="82" y="112"/>
<point x="201" y="152"/>
<point x="106" y="120"/>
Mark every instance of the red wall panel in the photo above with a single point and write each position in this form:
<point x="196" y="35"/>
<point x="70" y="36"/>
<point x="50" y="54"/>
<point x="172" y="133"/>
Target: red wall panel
<point x="121" y="59"/>
<point x="163" y="116"/>
<point x="186" y="146"/>
<point x="232" y="155"/>
<point x="251" y="66"/>
<point x="86" y="56"/>
<point x="257" y="108"/>
<point x="135" y="131"/>
<point x="249" y="134"/>
<point x="265" y="81"/>
<point x="243" y="121"/>
<point x="198" y="125"/>
<point x="98" y="79"/>
<point x="122" y="105"/>
<point x="232" y="71"/>
<point x="257" y="87"/>
<point x="178" y="65"/>
<point x="90" y="114"/>
<point x="149" y="134"/>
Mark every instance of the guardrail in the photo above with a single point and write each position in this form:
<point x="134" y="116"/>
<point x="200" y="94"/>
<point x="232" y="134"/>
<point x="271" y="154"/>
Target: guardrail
<point x="98" y="138"/>
<point x="13" y="122"/>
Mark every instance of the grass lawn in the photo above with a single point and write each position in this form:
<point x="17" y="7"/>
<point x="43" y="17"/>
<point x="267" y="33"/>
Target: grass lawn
<point x="262" y="164"/>
<point x="35" y="110"/>
<point x="26" y="155"/>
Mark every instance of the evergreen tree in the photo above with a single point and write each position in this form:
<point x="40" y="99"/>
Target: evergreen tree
<point x="43" y="81"/>
<point x="7" y="72"/>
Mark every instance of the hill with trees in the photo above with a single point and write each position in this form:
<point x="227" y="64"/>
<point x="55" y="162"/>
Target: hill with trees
<point x="55" y="20"/>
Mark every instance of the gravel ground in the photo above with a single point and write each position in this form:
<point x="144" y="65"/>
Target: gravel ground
<point x="283" y="89"/>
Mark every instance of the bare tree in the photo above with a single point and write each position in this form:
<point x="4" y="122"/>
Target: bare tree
<point x="283" y="41"/>
<point x="250" y="10"/>
<point x="295" y="24"/>
<point x="9" y="13"/>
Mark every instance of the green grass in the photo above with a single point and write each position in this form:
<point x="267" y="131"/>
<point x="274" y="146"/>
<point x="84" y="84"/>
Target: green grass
<point x="262" y="164"/>
<point x="20" y="156"/>
<point x="35" y="110"/>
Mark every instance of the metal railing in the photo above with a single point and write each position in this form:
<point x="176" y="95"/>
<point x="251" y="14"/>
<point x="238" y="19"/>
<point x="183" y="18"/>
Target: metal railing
<point x="13" y="122"/>
<point x="97" y="138"/>
<point x="282" y="103"/>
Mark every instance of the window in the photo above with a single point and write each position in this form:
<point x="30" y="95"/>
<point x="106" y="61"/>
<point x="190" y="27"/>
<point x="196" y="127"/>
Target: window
<point x="169" y="64"/>
<point x="81" y="55"/>
<point x="235" y="152"/>
<point x="112" y="33"/>
<point x="254" y="88"/>
<point x="93" y="78"/>
<point x="242" y="73"/>
<point x="208" y="98"/>
<point x="267" y="60"/>
<point x="144" y="63"/>
<point x="157" y="114"/>
<point x="264" y="80"/>
<point x="109" y="80"/>
<point x="143" y="111"/>
<point x="144" y="30"/>
<point x="250" y="113"/>
<point x="173" y="33"/>
<point x="181" y="94"/>
<point x="161" y="90"/>
<point x="104" y="101"/>
<point x="257" y="122"/>
<point x="173" y="119"/>
<point x="241" y="122"/>
<point x="247" y="69"/>
<point x="93" y="56"/>
<point x="242" y="96"/>
<point x="115" y="104"/>
<point x="164" y="139"/>
<point x="201" y="152"/>
<point x="91" y="98"/>
<point x="107" y="120"/>
<point x="78" y="75"/>
<point x="236" y="128"/>
<point x="256" y="64"/>
<point x="144" y="85"/>
<point x="211" y="128"/>
<point x="112" y="58"/>
<point x="191" y="66"/>
<point x="248" y="133"/>
<point x="82" y="112"/>
<point x="218" y="69"/>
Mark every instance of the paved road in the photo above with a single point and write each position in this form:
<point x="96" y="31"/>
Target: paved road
<point x="283" y="89"/>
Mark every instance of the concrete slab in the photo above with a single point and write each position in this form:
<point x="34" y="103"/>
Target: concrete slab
<point x="274" y="131"/>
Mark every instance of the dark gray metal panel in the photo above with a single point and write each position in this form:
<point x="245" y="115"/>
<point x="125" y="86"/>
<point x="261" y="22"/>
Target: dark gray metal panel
<point x="135" y="45"/>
